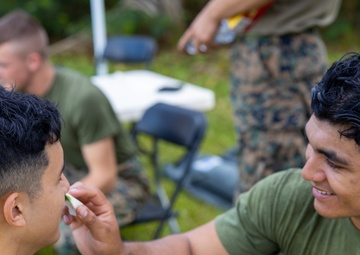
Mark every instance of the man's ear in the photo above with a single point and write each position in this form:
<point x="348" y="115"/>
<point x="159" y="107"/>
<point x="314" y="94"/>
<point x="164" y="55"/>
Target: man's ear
<point x="34" y="61"/>
<point x="13" y="210"/>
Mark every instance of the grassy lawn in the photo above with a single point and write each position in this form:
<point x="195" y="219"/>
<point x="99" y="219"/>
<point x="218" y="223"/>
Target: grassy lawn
<point x="210" y="71"/>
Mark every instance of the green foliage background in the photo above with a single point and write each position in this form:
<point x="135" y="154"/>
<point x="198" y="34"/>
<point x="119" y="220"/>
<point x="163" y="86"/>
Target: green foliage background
<point x="59" y="17"/>
<point x="66" y="17"/>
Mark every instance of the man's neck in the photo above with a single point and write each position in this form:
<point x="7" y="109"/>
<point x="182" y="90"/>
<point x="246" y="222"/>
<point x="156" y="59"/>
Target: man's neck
<point x="11" y="247"/>
<point x="356" y="222"/>
<point x="42" y="81"/>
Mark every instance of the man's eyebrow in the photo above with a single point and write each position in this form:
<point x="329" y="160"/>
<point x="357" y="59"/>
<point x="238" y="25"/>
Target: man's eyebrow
<point x="333" y="157"/>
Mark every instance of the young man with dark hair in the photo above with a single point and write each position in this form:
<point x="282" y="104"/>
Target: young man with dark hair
<point x="314" y="210"/>
<point x="98" y="150"/>
<point x="33" y="185"/>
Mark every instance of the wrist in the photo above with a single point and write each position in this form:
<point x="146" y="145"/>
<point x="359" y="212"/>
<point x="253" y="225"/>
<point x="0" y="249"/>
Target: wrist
<point x="211" y="11"/>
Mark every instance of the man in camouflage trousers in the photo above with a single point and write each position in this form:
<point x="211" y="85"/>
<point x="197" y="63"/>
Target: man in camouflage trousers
<point x="274" y="65"/>
<point x="272" y="79"/>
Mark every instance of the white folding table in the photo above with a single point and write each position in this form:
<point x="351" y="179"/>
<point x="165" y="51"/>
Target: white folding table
<point x="132" y="92"/>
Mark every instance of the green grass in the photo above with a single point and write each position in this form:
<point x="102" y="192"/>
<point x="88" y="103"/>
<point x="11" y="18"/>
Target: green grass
<point x="210" y="71"/>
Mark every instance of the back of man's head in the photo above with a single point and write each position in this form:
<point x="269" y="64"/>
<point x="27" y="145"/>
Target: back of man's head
<point x="21" y="29"/>
<point x="27" y="124"/>
<point x="336" y="98"/>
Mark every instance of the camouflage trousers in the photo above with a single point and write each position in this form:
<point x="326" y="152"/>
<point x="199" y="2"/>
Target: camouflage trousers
<point x="132" y="188"/>
<point x="271" y="81"/>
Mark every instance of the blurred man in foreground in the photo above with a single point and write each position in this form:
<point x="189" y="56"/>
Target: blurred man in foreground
<point x="33" y="186"/>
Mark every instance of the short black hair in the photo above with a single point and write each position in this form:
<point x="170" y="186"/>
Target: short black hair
<point x="27" y="124"/>
<point x="336" y="98"/>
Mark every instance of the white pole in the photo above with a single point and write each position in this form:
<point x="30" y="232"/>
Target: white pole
<point x="99" y="34"/>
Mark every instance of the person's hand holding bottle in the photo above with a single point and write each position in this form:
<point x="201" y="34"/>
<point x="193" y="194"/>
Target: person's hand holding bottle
<point x="95" y="228"/>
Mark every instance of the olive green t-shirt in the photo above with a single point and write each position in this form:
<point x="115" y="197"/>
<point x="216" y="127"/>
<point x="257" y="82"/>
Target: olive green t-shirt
<point x="277" y="214"/>
<point x="87" y="117"/>
<point x="294" y="16"/>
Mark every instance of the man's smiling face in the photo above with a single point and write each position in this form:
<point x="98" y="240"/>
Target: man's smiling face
<point x="333" y="168"/>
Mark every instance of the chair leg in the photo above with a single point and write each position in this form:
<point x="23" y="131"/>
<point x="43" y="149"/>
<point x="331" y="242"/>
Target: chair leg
<point x="173" y="224"/>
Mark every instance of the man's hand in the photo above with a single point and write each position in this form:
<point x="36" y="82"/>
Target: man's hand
<point x="203" y="29"/>
<point x="95" y="228"/>
<point x="200" y="33"/>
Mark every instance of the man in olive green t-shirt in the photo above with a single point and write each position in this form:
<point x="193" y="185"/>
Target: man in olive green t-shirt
<point x="309" y="211"/>
<point x="315" y="210"/>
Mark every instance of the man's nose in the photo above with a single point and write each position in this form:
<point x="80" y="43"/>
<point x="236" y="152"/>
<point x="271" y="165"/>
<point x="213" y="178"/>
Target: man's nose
<point x="313" y="171"/>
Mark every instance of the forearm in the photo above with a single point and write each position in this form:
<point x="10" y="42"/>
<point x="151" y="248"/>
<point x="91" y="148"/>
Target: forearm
<point x="199" y="241"/>
<point x="174" y="245"/>
<point x="101" y="161"/>
<point x="219" y="9"/>
<point x="105" y="184"/>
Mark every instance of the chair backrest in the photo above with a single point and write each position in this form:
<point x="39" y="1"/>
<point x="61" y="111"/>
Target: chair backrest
<point x="130" y="49"/>
<point x="174" y="124"/>
<point x="178" y="126"/>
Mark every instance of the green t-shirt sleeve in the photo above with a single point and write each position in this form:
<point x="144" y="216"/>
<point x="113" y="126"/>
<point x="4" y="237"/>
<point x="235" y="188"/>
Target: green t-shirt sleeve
<point x="260" y="218"/>
<point x="94" y="118"/>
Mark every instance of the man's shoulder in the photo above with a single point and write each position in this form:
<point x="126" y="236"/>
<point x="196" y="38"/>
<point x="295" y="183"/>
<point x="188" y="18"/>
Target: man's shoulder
<point x="76" y="85"/>
<point x="282" y="192"/>
<point x="286" y="179"/>
<point x="274" y="208"/>
<point x="279" y="185"/>
<point x="71" y="77"/>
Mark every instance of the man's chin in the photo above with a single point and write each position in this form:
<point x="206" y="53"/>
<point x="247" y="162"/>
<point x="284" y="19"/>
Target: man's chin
<point x="324" y="211"/>
<point x="55" y="239"/>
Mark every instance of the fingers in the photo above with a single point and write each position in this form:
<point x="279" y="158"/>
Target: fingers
<point x="77" y="184"/>
<point x="67" y="217"/>
<point x="96" y="234"/>
<point x="185" y="38"/>
<point x="87" y="217"/>
<point x="96" y="207"/>
<point x="89" y="195"/>
<point x="192" y="46"/>
<point x="199" y="36"/>
<point x="94" y="228"/>
<point x="95" y="211"/>
<point x="203" y="48"/>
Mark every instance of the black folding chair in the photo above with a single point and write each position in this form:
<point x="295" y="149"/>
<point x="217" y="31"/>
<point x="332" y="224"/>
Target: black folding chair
<point x="129" y="49"/>
<point x="183" y="128"/>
